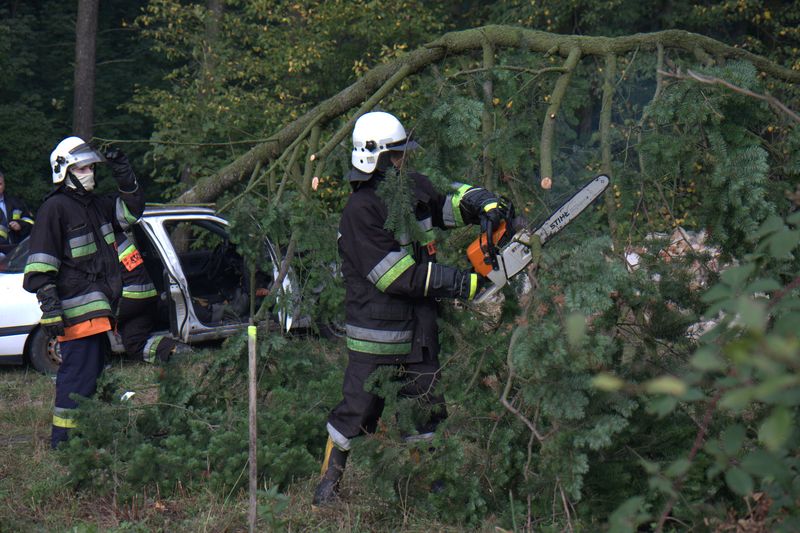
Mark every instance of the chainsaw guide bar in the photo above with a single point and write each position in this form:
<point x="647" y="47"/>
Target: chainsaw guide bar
<point x="516" y="255"/>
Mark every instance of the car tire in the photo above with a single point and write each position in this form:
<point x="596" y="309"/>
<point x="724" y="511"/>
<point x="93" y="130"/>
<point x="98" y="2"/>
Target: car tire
<point x="43" y="352"/>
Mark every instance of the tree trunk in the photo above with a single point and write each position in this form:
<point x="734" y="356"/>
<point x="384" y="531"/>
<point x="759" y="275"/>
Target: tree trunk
<point x="209" y="61"/>
<point x="85" y="61"/>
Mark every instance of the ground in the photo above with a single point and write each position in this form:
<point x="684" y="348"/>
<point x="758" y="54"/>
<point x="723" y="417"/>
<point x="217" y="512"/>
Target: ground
<point x="33" y="496"/>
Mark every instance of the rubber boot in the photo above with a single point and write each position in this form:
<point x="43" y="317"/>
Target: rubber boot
<point x="327" y="491"/>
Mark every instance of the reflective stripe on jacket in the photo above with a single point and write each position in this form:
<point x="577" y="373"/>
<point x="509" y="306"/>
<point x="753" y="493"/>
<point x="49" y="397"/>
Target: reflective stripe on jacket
<point x="72" y="246"/>
<point x="390" y="317"/>
<point x="16" y="212"/>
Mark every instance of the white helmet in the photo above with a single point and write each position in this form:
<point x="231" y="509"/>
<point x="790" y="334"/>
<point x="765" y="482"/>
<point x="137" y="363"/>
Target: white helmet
<point x="72" y="151"/>
<point x="375" y="133"/>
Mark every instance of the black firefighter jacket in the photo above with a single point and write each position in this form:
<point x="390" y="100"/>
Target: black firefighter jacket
<point x="390" y="311"/>
<point x="17" y="212"/>
<point x="72" y="246"/>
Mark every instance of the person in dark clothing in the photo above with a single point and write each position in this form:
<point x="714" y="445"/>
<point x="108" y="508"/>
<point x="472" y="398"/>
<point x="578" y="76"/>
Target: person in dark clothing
<point x="15" y="219"/>
<point x="391" y="288"/>
<point x="138" y="305"/>
<point x="73" y="267"/>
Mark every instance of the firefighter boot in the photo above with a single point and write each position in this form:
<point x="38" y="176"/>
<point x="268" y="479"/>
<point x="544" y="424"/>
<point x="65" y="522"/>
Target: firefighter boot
<point x="327" y="490"/>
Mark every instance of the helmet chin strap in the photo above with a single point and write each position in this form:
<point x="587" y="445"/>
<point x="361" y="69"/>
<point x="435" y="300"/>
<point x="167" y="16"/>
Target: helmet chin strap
<point x="82" y="184"/>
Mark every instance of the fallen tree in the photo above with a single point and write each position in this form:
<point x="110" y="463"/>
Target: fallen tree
<point x="378" y="82"/>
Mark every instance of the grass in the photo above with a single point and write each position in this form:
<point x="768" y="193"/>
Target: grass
<point x="34" y="496"/>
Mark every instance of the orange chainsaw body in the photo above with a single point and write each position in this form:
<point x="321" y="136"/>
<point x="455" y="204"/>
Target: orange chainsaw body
<point x="476" y="251"/>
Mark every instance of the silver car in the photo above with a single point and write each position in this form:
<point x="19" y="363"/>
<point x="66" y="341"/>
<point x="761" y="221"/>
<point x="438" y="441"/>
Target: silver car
<point x="202" y="283"/>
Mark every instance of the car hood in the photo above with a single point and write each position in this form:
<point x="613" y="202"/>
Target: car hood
<point x="18" y="307"/>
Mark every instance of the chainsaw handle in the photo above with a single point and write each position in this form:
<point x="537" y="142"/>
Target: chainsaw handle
<point x="488" y="246"/>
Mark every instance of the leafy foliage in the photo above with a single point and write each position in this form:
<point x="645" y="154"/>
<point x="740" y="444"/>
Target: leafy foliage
<point x="197" y="433"/>
<point x="586" y="401"/>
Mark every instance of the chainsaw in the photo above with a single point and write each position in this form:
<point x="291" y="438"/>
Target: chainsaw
<point x="509" y="251"/>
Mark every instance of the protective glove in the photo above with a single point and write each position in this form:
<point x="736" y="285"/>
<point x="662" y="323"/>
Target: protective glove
<point x="473" y="202"/>
<point x="52" y="316"/>
<point x="449" y="282"/>
<point x="492" y="214"/>
<point x="469" y="285"/>
<point x="121" y="170"/>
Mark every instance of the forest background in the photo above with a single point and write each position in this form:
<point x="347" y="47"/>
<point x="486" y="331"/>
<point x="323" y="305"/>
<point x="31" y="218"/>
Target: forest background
<point x="592" y="400"/>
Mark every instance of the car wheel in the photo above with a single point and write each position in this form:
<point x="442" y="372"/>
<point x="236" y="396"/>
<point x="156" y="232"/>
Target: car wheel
<point x="43" y="352"/>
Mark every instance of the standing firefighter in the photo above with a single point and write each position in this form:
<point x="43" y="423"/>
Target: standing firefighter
<point x="73" y="267"/>
<point x="391" y="289"/>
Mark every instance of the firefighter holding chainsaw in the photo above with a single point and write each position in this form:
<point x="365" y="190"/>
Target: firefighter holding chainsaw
<point x="392" y="285"/>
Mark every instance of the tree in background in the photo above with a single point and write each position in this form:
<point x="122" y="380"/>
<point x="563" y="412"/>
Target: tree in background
<point x="85" y="54"/>
<point x="37" y="55"/>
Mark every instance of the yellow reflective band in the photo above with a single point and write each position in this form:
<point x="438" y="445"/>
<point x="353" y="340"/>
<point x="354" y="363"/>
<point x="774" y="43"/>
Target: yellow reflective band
<point x="251" y="332"/>
<point x="378" y="348"/>
<point x="395" y="272"/>
<point x="328" y="450"/>
<point x="490" y="206"/>
<point x="64" y="422"/>
<point x="126" y="252"/>
<point x="473" y="285"/>
<point x="51" y="320"/>
<point x="139" y="295"/>
<point x="40" y="267"/>
<point x="456" y="203"/>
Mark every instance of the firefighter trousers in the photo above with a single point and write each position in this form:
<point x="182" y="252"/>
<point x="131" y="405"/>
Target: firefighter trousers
<point x="82" y="362"/>
<point x="135" y="324"/>
<point x="360" y="409"/>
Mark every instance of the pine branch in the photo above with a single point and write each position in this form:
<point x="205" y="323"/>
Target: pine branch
<point x="313" y="146"/>
<point x="699" y="439"/>
<point x="712" y="80"/>
<point x="512" y="68"/>
<point x="289" y="149"/>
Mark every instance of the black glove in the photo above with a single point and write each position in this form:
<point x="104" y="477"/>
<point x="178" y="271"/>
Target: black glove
<point x="52" y="320"/>
<point x="121" y="169"/>
<point x="474" y="204"/>
<point x="469" y="284"/>
<point x="449" y="282"/>
<point x="492" y="214"/>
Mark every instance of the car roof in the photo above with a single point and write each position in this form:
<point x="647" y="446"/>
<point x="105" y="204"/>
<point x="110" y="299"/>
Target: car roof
<point x="178" y="209"/>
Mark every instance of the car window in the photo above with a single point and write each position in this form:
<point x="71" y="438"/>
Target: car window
<point x="212" y="269"/>
<point x="195" y="235"/>
<point x="14" y="262"/>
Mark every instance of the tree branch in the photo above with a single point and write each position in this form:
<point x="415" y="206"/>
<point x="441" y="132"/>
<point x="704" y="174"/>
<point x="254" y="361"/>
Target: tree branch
<point x="699" y="439"/>
<point x="712" y="80"/>
<point x="487" y="119"/>
<point x="455" y="43"/>
<point x="605" y="144"/>
<point x="549" y="122"/>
